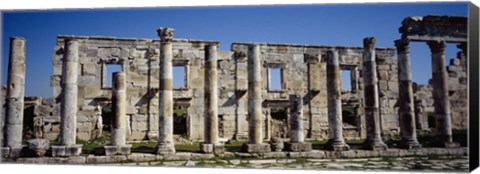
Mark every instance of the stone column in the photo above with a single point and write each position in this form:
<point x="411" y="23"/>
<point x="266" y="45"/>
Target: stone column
<point x="255" y="117"/>
<point x="370" y="81"/>
<point x="165" y="131"/>
<point x="406" y="103"/>
<point x="119" y="122"/>
<point x="68" y="107"/>
<point x="353" y="78"/>
<point x="334" y="94"/>
<point x="441" y="102"/>
<point x="211" y="145"/>
<point x="297" y="136"/>
<point x="14" y="98"/>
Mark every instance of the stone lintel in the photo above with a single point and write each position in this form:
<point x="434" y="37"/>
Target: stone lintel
<point x="165" y="148"/>
<point x="419" y="38"/>
<point x="298" y="147"/>
<point x="118" y="150"/>
<point x="213" y="148"/>
<point x="66" y="151"/>
<point x="256" y="148"/>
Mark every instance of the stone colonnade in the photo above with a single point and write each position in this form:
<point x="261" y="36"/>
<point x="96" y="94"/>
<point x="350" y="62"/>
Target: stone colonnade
<point x="440" y="94"/>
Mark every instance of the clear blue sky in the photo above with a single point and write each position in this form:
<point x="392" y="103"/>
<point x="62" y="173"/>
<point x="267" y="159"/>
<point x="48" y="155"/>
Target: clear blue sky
<point x="342" y="25"/>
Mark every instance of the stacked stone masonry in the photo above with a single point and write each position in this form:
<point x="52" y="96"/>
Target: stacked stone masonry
<point x="303" y="71"/>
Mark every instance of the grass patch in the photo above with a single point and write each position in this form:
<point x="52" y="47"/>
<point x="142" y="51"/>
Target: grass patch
<point x="235" y="146"/>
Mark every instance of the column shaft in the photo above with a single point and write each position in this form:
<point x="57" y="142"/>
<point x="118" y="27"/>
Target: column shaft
<point x="254" y="95"/>
<point x="68" y="112"/>
<point x="119" y="99"/>
<point x="334" y="94"/>
<point x="296" y="119"/>
<point x="372" y="117"/>
<point x="165" y="137"/>
<point x="440" y="92"/>
<point x="15" y="94"/>
<point x="406" y="102"/>
<point x="353" y="79"/>
<point x="211" y="118"/>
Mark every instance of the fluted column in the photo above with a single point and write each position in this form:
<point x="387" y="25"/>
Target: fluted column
<point x="14" y="96"/>
<point x="119" y="121"/>
<point x="255" y="117"/>
<point x="68" y="107"/>
<point x="165" y="138"/>
<point x="370" y="81"/>
<point x="211" y="100"/>
<point x="406" y="102"/>
<point x="334" y="94"/>
<point x="441" y="102"/>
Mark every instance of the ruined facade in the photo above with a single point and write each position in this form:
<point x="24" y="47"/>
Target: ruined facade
<point x="302" y="67"/>
<point x="242" y="101"/>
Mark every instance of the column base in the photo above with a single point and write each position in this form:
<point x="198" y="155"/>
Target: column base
<point x="409" y="144"/>
<point x="213" y="148"/>
<point x="165" y="148"/>
<point x="450" y="144"/>
<point x="118" y="150"/>
<point x="374" y="145"/>
<point x="15" y="152"/>
<point x="256" y="148"/>
<point x="66" y="150"/>
<point x="337" y="145"/>
<point x="298" y="147"/>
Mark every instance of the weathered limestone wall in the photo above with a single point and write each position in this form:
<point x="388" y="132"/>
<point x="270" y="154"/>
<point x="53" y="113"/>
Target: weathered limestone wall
<point x="303" y="72"/>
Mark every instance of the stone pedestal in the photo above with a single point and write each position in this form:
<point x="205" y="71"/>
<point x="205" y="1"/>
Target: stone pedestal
<point x="213" y="148"/>
<point x="13" y="125"/>
<point x="38" y="147"/>
<point x="256" y="148"/>
<point x="298" y="147"/>
<point x="13" y="152"/>
<point x="372" y="117"/>
<point x="406" y="102"/>
<point x="66" y="151"/>
<point x="117" y="150"/>
<point x="165" y="130"/>
<point x="334" y="93"/>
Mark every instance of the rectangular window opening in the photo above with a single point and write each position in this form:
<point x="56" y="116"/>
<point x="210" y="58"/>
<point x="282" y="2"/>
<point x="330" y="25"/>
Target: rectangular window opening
<point x="346" y="80"/>
<point x="276" y="79"/>
<point x="179" y="77"/>
<point x="110" y="69"/>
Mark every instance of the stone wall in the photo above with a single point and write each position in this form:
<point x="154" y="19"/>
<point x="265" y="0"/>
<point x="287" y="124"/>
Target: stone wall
<point x="303" y="69"/>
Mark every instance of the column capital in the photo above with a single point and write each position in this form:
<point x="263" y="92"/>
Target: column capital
<point x="369" y="42"/>
<point x="436" y="46"/>
<point x="165" y="34"/>
<point x="403" y="46"/>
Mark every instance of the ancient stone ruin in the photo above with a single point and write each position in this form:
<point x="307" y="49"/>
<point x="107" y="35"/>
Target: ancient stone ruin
<point x="228" y="95"/>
